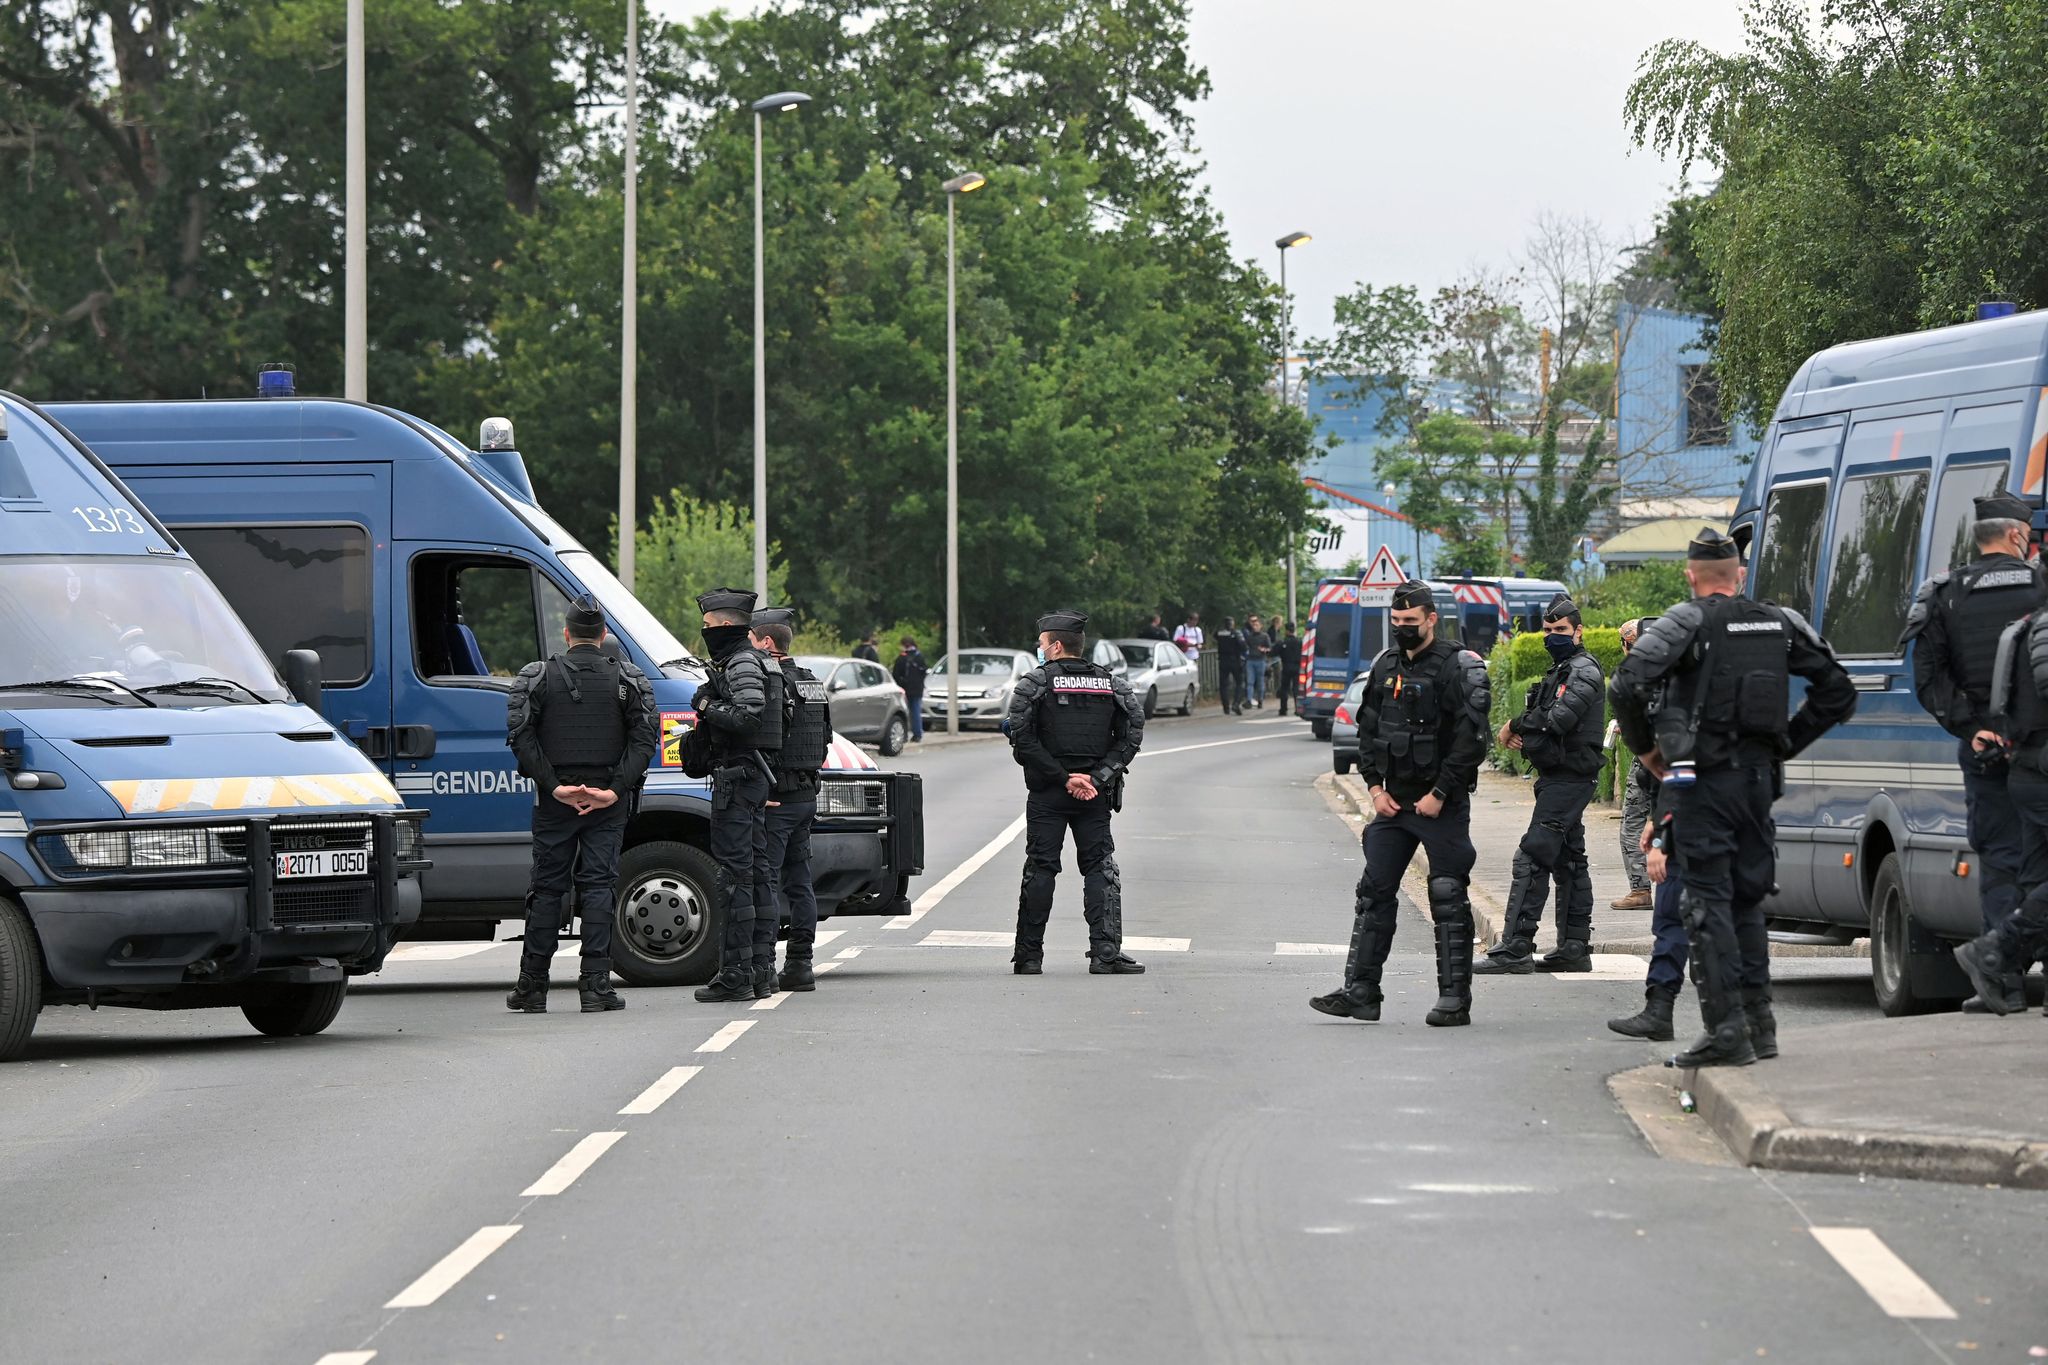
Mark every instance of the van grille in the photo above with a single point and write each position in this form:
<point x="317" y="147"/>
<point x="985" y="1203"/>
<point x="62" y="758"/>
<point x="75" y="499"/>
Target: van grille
<point x="329" y="903"/>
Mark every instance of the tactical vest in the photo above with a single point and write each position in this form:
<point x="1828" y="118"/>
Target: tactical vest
<point x="768" y="736"/>
<point x="583" y="720"/>
<point x="1409" y="744"/>
<point x="1578" y="754"/>
<point x="2019" y="682"/>
<point x="1077" y="712"/>
<point x="1732" y="697"/>
<point x="808" y="731"/>
<point x="1983" y="598"/>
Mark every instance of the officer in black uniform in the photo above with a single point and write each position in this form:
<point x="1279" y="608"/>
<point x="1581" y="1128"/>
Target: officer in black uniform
<point x="2018" y="711"/>
<point x="1955" y="623"/>
<point x="1716" y="673"/>
<point x="738" y="732"/>
<point x="1422" y="727"/>
<point x="792" y="807"/>
<point x="584" y="727"/>
<point x="1560" y="731"/>
<point x="1074" y="729"/>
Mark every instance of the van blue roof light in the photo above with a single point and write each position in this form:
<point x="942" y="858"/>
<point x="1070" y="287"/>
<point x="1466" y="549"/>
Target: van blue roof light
<point x="275" y="380"/>
<point x="495" y="434"/>
<point x="1996" y="308"/>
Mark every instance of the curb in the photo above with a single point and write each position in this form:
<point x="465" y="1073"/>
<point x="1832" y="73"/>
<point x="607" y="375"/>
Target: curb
<point x="1760" y="1133"/>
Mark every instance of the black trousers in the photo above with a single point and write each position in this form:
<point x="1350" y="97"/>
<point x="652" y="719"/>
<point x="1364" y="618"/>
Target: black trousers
<point x="2023" y="934"/>
<point x="1728" y="858"/>
<point x="1996" y="832"/>
<point x="1390" y="842"/>
<point x="1230" y="682"/>
<point x="739" y="845"/>
<point x="1048" y="816"/>
<point x="572" y="850"/>
<point x="788" y="825"/>
<point x="1553" y="847"/>
<point x="1285" y="681"/>
<point x="1670" y="947"/>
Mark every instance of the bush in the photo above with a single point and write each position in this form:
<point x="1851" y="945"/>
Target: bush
<point x="1518" y="662"/>
<point x="1647" y="590"/>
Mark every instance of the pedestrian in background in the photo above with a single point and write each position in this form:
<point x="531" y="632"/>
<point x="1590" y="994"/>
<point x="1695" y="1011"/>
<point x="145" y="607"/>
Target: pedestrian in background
<point x="1153" y="630"/>
<point x="1230" y="666"/>
<point x="866" y="649"/>
<point x="1638" y="791"/>
<point x="1287" y="658"/>
<point x="909" y="671"/>
<point x="1258" y="650"/>
<point x="1189" y="637"/>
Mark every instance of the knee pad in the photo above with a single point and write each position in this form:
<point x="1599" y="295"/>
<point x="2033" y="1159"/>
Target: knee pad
<point x="1447" y="899"/>
<point x="1543" y="843"/>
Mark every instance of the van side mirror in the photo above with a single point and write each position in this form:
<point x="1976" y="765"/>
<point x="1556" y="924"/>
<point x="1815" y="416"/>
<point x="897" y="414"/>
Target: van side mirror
<point x="302" y="675"/>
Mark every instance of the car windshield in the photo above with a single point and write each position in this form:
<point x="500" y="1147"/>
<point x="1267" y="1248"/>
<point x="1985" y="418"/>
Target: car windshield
<point x="624" y="612"/>
<point x="145" y="624"/>
<point x="1355" y="693"/>
<point x="1137" y="656"/>
<point x="979" y="665"/>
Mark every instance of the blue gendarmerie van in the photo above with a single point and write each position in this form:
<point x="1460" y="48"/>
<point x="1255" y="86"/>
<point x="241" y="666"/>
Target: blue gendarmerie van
<point x="176" y="831"/>
<point x="1862" y="489"/>
<point x="426" y="574"/>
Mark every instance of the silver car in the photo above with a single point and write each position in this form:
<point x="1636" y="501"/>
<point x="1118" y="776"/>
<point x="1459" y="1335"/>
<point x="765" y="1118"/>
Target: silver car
<point x="1344" y="728"/>
<point x="987" y="677"/>
<point x="1159" y="673"/>
<point x="867" y="705"/>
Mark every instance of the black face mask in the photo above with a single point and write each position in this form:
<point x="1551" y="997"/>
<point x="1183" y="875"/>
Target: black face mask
<point x="723" y="641"/>
<point x="1561" y="647"/>
<point x="1408" y="637"/>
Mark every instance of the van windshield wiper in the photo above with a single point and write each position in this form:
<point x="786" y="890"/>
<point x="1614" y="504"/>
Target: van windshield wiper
<point x="208" y="687"/>
<point x="84" y="686"/>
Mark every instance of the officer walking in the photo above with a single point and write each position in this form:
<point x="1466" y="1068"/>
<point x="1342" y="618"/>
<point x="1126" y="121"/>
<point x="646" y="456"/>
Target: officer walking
<point x="792" y="808"/>
<point x="1638" y="795"/>
<point x="738" y="730"/>
<point x="584" y="727"/>
<point x="1560" y="730"/>
<point x="1074" y="729"/>
<point x="1955" y="622"/>
<point x="1715" y="671"/>
<point x="1422" y="727"/>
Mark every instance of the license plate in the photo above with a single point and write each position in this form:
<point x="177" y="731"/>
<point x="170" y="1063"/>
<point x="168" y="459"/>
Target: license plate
<point x="323" y="862"/>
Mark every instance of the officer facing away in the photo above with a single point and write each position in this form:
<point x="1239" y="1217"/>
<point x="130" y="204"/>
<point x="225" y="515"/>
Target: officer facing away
<point x="1716" y="670"/>
<point x="792" y="808"/>
<point x="1560" y="729"/>
<point x="1422" y="727"/>
<point x="1996" y="960"/>
<point x="1074" y="729"/>
<point x="1955" y="621"/>
<point x="583" y="725"/>
<point x="739" y="728"/>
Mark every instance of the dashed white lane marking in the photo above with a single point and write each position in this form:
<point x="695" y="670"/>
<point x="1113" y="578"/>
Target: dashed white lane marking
<point x="985" y="938"/>
<point x="1886" y="1278"/>
<point x="1470" y="1189"/>
<point x="770" y="1002"/>
<point x="1310" y="950"/>
<point x="1159" y="945"/>
<point x="825" y="936"/>
<point x="726" y="1037"/>
<point x="847" y="954"/>
<point x="449" y="1270"/>
<point x="575" y="1162"/>
<point x="929" y="901"/>
<point x="437" y="952"/>
<point x="824" y="967"/>
<point x="1212" y="744"/>
<point x="1607" y="967"/>
<point x="346" y="1358"/>
<point x="656" y="1095"/>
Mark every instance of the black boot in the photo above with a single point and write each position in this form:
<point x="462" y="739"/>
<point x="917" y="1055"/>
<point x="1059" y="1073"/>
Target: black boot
<point x="1509" y="957"/>
<point x="1119" y="965"/>
<point x="764" y="981"/>
<point x="1356" y="1000"/>
<point x="1360" y="997"/>
<point x="1027" y="966"/>
<point x="530" y="996"/>
<point x="1984" y="962"/>
<point x="797" y="975"/>
<point x="1763" y="1024"/>
<point x="1453" y="975"/>
<point x="1654" y="1023"/>
<point x="1726" y="1041"/>
<point x="1569" y="956"/>
<point x="727" y="987"/>
<point x="594" y="985"/>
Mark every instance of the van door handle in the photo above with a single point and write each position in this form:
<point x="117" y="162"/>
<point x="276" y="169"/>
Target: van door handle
<point x="1871" y="682"/>
<point x="414" y="741"/>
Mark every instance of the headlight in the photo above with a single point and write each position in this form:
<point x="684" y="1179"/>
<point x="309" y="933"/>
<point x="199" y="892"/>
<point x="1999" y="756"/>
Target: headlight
<point x="853" y="798"/>
<point x="114" y="849"/>
<point x="411" y="843"/>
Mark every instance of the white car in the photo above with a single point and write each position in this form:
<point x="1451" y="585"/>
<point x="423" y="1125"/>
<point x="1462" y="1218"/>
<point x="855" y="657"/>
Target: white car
<point x="987" y="677"/>
<point x="1159" y="673"/>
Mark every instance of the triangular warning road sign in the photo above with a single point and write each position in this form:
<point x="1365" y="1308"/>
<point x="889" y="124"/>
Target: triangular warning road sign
<point x="1385" y="571"/>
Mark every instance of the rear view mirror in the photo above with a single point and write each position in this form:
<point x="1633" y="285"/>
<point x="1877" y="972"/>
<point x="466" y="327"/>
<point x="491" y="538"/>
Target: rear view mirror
<point x="302" y="676"/>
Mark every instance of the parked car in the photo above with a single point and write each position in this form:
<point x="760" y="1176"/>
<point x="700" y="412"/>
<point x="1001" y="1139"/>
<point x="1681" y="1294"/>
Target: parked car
<point x="867" y="705"/>
<point x="987" y="677"/>
<point x="1344" y="728"/>
<point x="1156" y="670"/>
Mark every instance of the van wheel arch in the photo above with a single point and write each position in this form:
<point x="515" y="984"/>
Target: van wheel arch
<point x="21" y="977"/>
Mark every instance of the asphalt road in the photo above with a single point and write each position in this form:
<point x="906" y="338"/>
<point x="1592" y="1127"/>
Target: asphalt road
<point x="932" y="1160"/>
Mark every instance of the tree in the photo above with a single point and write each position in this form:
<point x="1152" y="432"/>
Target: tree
<point x="687" y="546"/>
<point x="1559" y="505"/>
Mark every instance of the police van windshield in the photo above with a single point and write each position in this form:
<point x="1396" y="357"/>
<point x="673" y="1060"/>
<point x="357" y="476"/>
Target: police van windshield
<point x="627" y="617"/>
<point x="123" y="632"/>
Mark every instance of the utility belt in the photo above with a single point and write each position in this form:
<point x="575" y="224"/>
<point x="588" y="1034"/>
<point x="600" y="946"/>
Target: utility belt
<point x="733" y="766"/>
<point x="2032" y="753"/>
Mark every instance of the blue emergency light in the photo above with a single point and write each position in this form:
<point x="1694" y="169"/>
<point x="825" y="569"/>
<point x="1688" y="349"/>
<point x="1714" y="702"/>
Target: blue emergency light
<point x="274" y="380"/>
<point x="1996" y="308"/>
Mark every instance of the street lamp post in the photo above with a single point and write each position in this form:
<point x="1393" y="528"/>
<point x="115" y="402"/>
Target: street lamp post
<point x="355" y="285"/>
<point x="773" y="104"/>
<point x="629" y="310"/>
<point x="1292" y="239"/>
<point x="954" y="188"/>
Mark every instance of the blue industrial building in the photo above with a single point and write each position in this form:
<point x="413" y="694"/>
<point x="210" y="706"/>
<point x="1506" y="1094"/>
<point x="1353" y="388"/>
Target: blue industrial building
<point x="1673" y="439"/>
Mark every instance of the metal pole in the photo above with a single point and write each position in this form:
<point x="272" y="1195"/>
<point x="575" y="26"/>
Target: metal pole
<point x="629" y="298"/>
<point x="1286" y="331"/>
<point x="760" y="391"/>
<point x="355" y="344"/>
<point x="952" y="489"/>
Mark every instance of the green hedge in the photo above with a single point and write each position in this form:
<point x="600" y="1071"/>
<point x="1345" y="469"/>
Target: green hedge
<point x="1520" y="661"/>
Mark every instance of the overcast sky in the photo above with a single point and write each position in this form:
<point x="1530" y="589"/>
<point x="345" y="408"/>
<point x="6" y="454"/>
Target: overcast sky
<point x="1416" y="141"/>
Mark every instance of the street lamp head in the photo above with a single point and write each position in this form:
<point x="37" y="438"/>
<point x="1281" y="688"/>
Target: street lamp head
<point x="1389" y="490"/>
<point x="775" y="104"/>
<point x="1293" y="239"/>
<point x="965" y="183"/>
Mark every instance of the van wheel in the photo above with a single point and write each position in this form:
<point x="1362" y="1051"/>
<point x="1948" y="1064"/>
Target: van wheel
<point x="669" y="919"/>
<point x="895" y="736"/>
<point x="1151" y="701"/>
<point x="21" y="980"/>
<point x="1896" y="940"/>
<point x="1187" y="703"/>
<point x="1319" y="728"/>
<point x="297" y="1010"/>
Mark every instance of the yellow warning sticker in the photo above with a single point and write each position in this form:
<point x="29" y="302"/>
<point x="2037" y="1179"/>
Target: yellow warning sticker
<point x="674" y="725"/>
<point x="165" y="795"/>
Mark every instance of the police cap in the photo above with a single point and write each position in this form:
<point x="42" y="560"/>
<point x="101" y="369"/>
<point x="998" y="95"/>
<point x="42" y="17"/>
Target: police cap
<point x="774" y="616"/>
<point x="1414" y="593"/>
<point x="1063" y="621"/>
<point x="1711" y="544"/>
<point x="2003" y="506"/>
<point x="586" y="617"/>
<point x="726" y="599"/>
<point x="1561" y="608"/>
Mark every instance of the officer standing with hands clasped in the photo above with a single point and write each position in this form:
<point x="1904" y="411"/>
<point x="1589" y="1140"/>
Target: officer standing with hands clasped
<point x="1074" y="729"/>
<point x="792" y="808"/>
<point x="738" y="730"/>
<point x="1559" y="731"/>
<point x="584" y="728"/>
<point x="1716" y="673"/>
<point x="1954" y="625"/>
<point x="1422" y="728"/>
